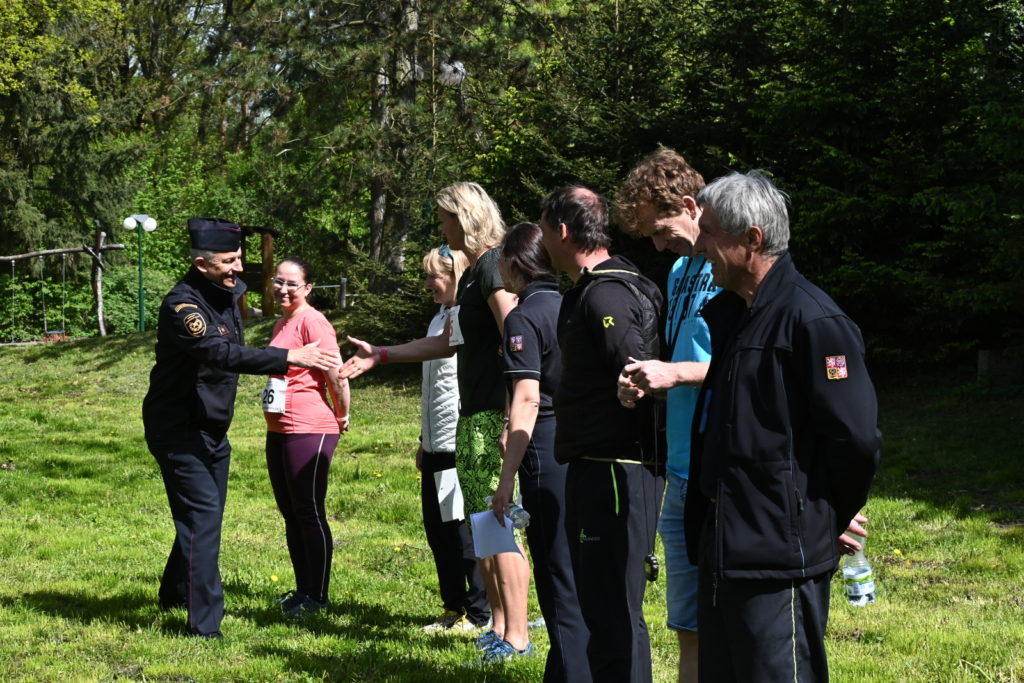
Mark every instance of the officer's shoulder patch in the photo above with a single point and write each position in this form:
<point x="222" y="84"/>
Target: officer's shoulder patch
<point x="195" y="323"/>
<point x="835" y="367"/>
<point x="181" y="306"/>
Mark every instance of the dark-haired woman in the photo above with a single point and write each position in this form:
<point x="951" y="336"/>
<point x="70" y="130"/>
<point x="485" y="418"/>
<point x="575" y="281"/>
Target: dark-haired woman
<point x="303" y="429"/>
<point x="532" y="369"/>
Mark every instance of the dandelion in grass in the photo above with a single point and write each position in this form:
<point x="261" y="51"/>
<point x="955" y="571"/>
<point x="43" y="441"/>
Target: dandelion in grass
<point x="378" y="475"/>
<point x="897" y="551"/>
<point x="398" y="548"/>
<point x="275" y="578"/>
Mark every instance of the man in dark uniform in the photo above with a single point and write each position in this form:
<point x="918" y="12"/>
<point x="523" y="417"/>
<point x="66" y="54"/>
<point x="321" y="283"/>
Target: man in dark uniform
<point x="785" y="444"/>
<point x="199" y="352"/>
<point x="615" y="455"/>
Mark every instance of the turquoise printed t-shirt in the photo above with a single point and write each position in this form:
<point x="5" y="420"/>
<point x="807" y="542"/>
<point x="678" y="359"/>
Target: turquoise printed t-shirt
<point x="686" y="333"/>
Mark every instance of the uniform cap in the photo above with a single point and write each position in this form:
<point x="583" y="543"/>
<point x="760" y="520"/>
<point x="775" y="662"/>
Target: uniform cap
<point x="214" y="234"/>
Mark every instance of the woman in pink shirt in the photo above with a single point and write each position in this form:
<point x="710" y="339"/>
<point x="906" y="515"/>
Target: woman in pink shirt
<point x="303" y="429"/>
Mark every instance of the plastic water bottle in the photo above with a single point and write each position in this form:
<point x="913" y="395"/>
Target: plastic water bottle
<point x="520" y="517"/>
<point x="858" y="577"/>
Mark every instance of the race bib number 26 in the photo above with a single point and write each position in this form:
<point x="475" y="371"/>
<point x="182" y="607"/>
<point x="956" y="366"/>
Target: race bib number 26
<point x="273" y="394"/>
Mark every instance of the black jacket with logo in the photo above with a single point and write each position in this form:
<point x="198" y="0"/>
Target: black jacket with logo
<point x="610" y="315"/>
<point x="785" y="439"/>
<point x="199" y="353"/>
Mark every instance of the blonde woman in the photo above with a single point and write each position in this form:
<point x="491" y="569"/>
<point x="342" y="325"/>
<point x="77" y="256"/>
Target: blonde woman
<point x="458" y="576"/>
<point x="471" y="222"/>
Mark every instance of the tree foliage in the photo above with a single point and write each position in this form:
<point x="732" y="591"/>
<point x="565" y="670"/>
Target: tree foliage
<point x="893" y="126"/>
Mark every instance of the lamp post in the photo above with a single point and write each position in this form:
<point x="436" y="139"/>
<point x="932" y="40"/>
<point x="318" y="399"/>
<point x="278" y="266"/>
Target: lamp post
<point x="140" y="222"/>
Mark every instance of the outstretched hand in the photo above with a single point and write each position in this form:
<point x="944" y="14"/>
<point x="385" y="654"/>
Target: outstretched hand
<point x="363" y="360"/>
<point x="651" y="376"/>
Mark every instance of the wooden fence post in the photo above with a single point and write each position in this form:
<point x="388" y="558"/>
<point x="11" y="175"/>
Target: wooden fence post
<point x="342" y="292"/>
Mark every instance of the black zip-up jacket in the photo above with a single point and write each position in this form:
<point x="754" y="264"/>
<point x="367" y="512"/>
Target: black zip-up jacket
<point x="199" y="353"/>
<point x="610" y="315"/>
<point x="785" y="439"/>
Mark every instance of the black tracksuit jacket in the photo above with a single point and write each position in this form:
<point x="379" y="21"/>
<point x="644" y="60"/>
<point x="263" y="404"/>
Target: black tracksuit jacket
<point x="785" y="439"/>
<point x="199" y="353"/>
<point x="609" y="316"/>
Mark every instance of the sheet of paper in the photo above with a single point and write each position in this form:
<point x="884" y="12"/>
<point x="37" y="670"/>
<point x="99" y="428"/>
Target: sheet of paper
<point x="456" y="337"/>
<point x="489" y="537"/>
<point x="449" y="495"/>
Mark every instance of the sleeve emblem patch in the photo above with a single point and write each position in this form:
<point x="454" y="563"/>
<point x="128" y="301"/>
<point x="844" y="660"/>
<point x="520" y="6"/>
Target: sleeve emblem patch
<point x="515" y="343"/>
<point x="608" y="321"/>
<point x="181" y="306"/>
<point x="835" y="367"/>
<point x="195" y="324"/>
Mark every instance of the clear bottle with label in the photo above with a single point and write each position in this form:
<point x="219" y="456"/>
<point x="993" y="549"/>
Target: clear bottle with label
<point x="858" y="576"/>
<point x="520" y="517"/>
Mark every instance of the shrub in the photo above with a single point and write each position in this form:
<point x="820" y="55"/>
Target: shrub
<point x="121" y="298"/>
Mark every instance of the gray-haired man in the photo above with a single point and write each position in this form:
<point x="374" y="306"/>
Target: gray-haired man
<point x="785" y="444"/>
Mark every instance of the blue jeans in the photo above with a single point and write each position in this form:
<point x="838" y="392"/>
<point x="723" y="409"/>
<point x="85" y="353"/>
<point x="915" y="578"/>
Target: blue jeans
<point x="681" y="576"/>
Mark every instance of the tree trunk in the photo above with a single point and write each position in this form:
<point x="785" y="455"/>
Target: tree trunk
<point x="406" y="69"/>
<point x="97" y="281"/>
<point x="379" y="114"/>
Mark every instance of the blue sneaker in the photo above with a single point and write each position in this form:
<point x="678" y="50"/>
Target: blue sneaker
<point x="503" y="651"/>
<point x="488" y="639"/>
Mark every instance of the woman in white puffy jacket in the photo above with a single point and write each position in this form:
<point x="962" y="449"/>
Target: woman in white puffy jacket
<point x="458" y="576"/>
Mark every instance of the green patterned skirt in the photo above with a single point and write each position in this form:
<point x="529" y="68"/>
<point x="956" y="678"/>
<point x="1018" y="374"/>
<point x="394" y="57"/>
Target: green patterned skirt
<point x="478" y="460"/>
<point x="477" y="457"/>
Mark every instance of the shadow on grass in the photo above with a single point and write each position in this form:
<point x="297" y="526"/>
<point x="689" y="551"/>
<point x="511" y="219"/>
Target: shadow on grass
<point x="98" y="353"/>
<point x="370" y="628"/>
<point x="376" y="663"/>
<point x="365" y="619"/>
<point x="134" y="610"/>
<point x="953" y="443"/>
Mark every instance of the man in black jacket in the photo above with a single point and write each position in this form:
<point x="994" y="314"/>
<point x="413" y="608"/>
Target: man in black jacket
<point x="186" y="413"/>
<point x="785" y="444"/>
<point x="615" y="455"/>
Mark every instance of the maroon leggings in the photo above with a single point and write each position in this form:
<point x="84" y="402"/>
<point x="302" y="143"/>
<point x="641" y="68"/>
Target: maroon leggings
<point x="298" y="465"/>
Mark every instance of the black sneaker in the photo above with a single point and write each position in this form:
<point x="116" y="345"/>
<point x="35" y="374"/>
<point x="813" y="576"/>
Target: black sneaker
<point x="305" y="608"/>
<point x="212" y="635"/>
<point x="290" y="600"/>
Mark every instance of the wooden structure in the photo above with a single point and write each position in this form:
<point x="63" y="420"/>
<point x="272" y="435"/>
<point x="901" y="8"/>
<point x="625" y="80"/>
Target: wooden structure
<point x="257" y="275"/>
<point x="97" y="255"/>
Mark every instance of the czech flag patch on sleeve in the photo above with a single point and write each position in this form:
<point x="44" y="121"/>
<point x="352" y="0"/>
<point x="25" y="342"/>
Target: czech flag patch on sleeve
<point x="835" y="367"/>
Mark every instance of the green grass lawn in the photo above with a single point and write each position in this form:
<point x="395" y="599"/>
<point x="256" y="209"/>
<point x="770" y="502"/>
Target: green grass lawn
<point x="86" y="531"/>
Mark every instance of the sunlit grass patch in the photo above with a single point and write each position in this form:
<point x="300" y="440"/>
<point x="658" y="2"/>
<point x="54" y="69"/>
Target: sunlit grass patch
<point x="86" y="532"/>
